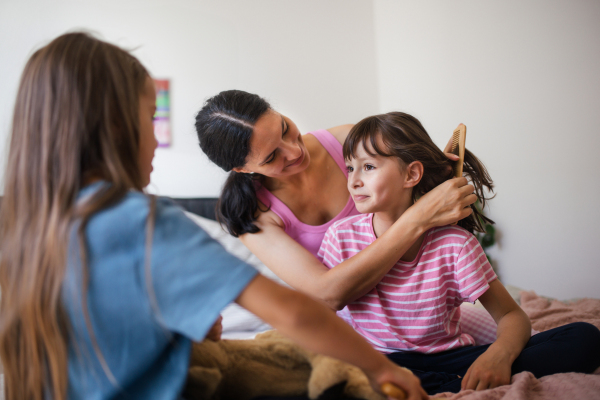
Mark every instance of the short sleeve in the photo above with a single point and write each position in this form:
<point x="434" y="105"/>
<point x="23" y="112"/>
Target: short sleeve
<point x="193" y="276"/>
<point x="330" y="248"/>
<point x="473" y="271"/>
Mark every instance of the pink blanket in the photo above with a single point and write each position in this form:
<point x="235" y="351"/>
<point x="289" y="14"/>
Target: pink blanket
<point x="546" y="315"/>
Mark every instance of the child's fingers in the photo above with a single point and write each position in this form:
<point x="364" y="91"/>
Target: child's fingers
<point x="465" y="380"/>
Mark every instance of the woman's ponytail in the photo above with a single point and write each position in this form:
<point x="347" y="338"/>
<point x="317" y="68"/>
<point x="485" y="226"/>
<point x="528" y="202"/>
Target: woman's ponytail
<point x="238" y="205"/>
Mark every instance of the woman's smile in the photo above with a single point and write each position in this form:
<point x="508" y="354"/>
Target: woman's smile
<point x="298" y="160"/>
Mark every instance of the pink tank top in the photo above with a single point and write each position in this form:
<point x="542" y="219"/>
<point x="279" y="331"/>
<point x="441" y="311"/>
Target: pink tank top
<point x="310" y="236"/>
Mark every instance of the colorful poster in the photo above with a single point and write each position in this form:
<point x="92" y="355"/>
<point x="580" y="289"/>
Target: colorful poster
<point x="162" y="118"/>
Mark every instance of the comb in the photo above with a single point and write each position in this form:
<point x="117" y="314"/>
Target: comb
<point x="393" y="391"/>
<point x="459" y="137"/>
<point x="458" y="147"/>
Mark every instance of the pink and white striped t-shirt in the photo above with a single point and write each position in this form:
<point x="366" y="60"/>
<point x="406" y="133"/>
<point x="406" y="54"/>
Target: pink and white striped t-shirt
<point x="415" y="307"/>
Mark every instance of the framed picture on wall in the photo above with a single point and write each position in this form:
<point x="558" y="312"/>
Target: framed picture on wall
<point x="162" y="117"/>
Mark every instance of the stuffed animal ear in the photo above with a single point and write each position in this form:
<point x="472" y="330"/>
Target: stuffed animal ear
<point x="328" y="373"/>
<point x="202" y="383"/>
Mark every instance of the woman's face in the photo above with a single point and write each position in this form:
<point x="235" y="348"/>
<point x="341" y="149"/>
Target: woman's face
<point x="276" y="147"/>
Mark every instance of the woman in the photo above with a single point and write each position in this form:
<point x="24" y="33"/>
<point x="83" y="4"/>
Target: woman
<point x="285" y="190"/>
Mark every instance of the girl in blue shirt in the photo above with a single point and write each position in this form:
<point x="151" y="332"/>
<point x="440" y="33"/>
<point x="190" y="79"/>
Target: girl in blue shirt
<point x="103" y="287"/>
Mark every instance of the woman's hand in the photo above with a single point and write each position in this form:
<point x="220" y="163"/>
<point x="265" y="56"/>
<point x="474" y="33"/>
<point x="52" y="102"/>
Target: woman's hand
<point x="447" y="203"/>
<point x="448" y="149"/>
<point x="215" y="332"/>
<point x="491" y="369"/>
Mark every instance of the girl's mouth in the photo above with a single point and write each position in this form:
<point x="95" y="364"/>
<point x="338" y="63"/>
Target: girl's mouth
<point x="359" y="197"/>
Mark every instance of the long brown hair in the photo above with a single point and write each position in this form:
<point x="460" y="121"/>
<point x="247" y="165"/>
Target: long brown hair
<point x="76" y="118"/>
<point x="404" y="137"/>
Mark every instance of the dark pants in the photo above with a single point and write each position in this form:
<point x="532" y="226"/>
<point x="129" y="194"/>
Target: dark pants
<point x="569" y="348"/>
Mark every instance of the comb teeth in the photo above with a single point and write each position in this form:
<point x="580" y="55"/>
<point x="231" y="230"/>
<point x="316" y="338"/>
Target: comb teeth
<point x="455" y="140"/>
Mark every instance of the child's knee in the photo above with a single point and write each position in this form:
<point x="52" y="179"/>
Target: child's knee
<point x="587" y="333"/>
<point x="588" y="337"/>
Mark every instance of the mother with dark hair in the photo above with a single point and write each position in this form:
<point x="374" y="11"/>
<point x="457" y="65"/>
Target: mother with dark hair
<point x="285" y="189"/>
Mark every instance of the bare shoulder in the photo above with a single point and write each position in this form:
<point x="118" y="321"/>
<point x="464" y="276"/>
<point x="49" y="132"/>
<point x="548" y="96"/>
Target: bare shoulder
<point x="340" y="132"/>
<point x="268" y="218"/>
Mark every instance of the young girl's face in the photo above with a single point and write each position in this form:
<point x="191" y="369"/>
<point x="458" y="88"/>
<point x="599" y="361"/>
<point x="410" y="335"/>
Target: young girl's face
<point x="148" y="141"/>
<point x="376" y="183"/>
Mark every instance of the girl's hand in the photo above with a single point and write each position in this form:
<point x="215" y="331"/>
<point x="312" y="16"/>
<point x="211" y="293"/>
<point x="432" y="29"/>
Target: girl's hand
<point x="447" y="203"/>
<point x="491" y="369"/>
<point x="402" y="378"/>
<point x="215" y="332"/>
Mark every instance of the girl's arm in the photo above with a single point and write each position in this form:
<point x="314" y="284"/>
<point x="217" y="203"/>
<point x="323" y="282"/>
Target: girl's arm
<point x="493" y="368"/>
<point x="358" y="275"/>
<point x="315" y="327"/>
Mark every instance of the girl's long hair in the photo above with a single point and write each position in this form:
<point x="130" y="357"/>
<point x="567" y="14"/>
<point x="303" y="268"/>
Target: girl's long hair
<point x="76" y="118"/>
<point x="404" y="137"/>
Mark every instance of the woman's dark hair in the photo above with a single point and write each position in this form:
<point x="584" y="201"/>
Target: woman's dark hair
<point x="224" y="126"/>
<point x="404" y="137"/>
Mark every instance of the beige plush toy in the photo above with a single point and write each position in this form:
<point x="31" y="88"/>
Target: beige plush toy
<point x="270" y="365"/>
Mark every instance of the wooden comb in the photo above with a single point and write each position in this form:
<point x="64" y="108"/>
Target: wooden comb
<point x="393" y="391"/>
<point x="458" y="148"/>
<point x="459" y="136"/>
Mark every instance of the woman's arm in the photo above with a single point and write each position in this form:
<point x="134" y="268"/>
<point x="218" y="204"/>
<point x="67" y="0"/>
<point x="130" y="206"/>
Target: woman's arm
<point x="358" y="275"/>
<point x="316" y="328"/>
<point x="493" y="368"/>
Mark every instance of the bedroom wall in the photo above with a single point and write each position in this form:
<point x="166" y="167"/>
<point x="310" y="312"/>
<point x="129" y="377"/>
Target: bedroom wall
<point x="313" y="60"/>
<point x="523" y="76"/>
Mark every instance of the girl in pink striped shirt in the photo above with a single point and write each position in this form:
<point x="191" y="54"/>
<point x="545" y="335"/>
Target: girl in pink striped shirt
<point x="413" y="314"/>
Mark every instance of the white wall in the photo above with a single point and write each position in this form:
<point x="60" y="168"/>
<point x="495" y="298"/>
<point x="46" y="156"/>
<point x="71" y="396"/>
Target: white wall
<point x="313" y="60"/>
<point x="524" y="76"/>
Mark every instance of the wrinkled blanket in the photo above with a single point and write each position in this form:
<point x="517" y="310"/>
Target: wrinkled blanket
<point x="525" y="386"/>
<point x="546" y="314"/>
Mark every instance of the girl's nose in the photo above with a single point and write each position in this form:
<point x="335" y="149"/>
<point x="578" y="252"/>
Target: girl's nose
<point x="354" y="181"/>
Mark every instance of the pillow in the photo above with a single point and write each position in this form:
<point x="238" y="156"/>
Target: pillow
<point x="235" y="318"/>
<point x="477" y="322"/>
<point x="233" y="245"/>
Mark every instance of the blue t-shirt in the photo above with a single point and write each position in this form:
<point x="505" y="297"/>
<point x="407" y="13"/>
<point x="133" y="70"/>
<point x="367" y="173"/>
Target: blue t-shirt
<point x="146" y="344"/>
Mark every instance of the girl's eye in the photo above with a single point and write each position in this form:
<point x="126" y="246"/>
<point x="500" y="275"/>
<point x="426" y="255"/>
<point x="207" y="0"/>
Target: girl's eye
<point x="369" y="167"/>
<point x="349" y="168"/>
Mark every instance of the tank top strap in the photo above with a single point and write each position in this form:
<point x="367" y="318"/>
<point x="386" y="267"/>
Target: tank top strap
<point x="333" y="147"/>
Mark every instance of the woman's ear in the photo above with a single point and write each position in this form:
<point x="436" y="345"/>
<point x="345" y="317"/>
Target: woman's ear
<point x="241" y="170"/>
<point x="414" y="174"/>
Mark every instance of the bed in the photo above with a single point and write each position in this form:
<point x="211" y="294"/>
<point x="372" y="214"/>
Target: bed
<point x="545" y="313"/>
